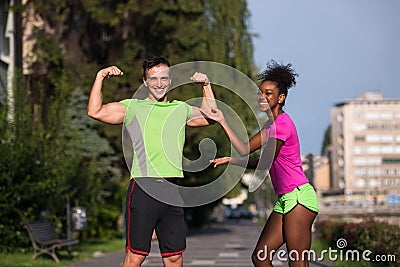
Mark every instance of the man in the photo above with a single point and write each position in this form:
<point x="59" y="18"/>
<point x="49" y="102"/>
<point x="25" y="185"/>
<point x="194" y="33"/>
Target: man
<point x="149" y="122"/>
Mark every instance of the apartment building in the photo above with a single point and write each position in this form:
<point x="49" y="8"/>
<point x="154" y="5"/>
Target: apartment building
<point x="366" y="145"/>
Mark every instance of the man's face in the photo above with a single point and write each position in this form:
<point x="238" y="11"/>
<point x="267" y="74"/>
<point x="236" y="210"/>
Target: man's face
<point x="158" y="81"/>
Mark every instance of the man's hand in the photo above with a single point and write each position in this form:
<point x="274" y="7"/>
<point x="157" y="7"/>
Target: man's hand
<point x="110" y="72"/>
<point x="200" y="78"/>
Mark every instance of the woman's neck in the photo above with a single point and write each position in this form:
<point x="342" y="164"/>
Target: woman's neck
<point x="277" y="111"/>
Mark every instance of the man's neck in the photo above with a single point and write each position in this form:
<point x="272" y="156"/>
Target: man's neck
<point x="152" y="98"/>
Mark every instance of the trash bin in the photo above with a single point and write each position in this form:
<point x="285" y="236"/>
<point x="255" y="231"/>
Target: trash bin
<point x="79" y="219"/>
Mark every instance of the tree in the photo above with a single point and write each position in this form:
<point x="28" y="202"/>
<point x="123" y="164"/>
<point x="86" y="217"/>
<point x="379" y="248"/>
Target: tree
<point x="230" y="41"/>
<point x="34" y="166"/>
<point x="50" y="149"/>
<point x="327" y="139"/>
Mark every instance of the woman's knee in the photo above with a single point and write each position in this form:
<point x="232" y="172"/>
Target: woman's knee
<point x="261" y="257"/>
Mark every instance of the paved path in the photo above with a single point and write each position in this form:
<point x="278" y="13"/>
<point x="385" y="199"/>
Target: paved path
<point x="227" y="244"/>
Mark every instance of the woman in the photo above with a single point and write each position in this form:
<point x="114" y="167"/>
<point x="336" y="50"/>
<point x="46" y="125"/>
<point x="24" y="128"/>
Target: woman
<point x="297" y="205"/>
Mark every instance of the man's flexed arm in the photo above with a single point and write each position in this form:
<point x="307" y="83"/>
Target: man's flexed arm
<point x="114" y="112"/>
<point x="208" y="102"/>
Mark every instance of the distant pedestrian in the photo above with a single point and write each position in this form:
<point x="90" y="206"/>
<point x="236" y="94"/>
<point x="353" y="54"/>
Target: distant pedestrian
<point x="297" y="205"/>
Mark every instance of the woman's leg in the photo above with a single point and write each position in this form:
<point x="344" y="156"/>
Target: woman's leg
<point x="297" y="232"/>
<point x="270" y="240"/>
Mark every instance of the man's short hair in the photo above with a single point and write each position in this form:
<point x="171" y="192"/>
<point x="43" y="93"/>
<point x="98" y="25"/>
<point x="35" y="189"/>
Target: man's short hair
<point x="153" y="61"/>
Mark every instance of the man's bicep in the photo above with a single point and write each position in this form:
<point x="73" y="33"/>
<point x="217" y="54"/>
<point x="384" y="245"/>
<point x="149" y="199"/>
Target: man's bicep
<point x="113" y="113"/>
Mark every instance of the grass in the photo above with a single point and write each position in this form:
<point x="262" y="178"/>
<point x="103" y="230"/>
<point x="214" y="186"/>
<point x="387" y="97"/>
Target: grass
<point x="83" y="250"/>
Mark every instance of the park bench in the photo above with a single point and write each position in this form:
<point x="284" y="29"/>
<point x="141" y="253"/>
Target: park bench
<point x="44" y="239"/>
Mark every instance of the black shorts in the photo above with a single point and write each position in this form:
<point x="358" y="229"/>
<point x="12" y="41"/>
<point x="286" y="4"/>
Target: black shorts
<point x="144" y="214"/>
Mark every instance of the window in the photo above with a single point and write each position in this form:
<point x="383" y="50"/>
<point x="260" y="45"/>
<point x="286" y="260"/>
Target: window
<point x="360" y="172"/>
<point x="358" y="150"/>
<point x="5" y="46"/>
<point x="387" y="138"/>
<point x="359" y="183"/>
<point x="387" y="149"/>
<point x="374" y="172"/>
<point x="373" y="183"/>
<point x="359" y="161"/>
<point x="358" y="115"/>
<point x="386" y="182"/>
<point x="359" y="127"/>
<point x="391" y="160"/>
<point x="374" y="161"/>
<point x="359" y="138"/>
<point x="372" y="116"/>
<point x="373" y="138"/>
<point x="386" y="115"/>
<point x="373" y="150"/>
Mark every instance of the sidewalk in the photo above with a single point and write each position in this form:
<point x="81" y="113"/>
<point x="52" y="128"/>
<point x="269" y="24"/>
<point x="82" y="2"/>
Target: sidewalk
<point x="227" y="244"/>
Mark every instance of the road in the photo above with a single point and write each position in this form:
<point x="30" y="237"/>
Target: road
<point x="227" y="244"/>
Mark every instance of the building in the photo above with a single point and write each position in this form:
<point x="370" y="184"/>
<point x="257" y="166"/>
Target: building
<point x="10" y="53"/>
<point x="366" y="146"/>
<point x="17" y="41"/>
<point x="317" y="170"/>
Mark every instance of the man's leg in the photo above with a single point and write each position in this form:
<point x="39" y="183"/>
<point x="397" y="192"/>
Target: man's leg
<point x="142" y="214"/>
<point x="173" y="261"/>
<point x="133" y="260"/>
<point x="171" y="234"/>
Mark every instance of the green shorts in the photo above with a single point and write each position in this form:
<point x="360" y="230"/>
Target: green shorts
<point x="304" y="195"/>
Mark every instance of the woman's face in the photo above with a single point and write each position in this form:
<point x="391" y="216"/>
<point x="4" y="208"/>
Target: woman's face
<point x="269" y="97"/>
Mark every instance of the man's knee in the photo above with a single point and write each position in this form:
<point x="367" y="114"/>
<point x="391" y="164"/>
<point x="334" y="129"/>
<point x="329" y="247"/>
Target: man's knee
<point x="175" y="260"/>
<point x="133" y="260"/>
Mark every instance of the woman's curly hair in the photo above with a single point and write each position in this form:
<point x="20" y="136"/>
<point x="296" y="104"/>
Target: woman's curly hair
<point x="283" y="75"/>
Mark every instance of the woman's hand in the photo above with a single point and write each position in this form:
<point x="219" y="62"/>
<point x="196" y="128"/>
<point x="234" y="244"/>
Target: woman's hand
<point x="214" y="114"/>
<point x="221" y="161"/>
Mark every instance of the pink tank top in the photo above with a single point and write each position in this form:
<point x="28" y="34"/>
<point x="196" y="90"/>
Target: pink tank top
<point x="286" y="171"/>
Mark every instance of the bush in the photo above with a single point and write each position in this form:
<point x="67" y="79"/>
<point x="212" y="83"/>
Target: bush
<point x="380" y="238"/>
<point x="45" y="161"/>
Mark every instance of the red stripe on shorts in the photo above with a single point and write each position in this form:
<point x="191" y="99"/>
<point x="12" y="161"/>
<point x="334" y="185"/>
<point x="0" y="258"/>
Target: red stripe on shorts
<point x="128" y="246"/>
<point x="167" y="254"/>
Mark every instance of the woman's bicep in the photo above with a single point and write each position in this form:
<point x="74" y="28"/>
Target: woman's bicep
<point x="276" y="144"/>
<point x="269" y="153"/>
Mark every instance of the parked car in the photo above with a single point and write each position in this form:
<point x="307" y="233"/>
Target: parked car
<point x="238" y="213"/>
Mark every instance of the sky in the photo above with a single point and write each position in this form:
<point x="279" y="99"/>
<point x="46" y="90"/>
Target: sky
<point x="339" y="48"/>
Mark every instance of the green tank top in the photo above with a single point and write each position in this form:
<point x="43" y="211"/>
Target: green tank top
<point x="157" y="133"/>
